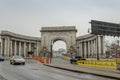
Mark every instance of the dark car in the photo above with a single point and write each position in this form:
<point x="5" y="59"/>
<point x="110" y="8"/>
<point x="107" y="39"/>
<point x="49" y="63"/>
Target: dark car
<point x="74" y="59"/>
<point x="1" y="58"/>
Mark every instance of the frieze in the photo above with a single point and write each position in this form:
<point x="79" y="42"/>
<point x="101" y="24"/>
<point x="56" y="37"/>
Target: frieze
<point x="60" y="29"/>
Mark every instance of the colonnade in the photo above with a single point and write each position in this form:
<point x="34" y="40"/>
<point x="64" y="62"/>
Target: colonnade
<point x="17" y="45"/>
<point x="90" y="46"/>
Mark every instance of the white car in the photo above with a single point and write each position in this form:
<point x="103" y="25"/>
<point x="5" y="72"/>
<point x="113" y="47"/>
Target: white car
<point x="17" y="59"/>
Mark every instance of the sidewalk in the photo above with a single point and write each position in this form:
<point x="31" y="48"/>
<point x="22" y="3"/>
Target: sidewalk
<point x="110" y="73"/>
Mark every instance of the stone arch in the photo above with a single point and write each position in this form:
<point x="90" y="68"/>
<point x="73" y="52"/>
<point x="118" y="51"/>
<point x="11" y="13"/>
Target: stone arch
<point x="51" y="34"/>
<point x="59" y="38"/>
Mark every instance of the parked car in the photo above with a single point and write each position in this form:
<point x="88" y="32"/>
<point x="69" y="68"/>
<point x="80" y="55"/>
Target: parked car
<point x="1" y="58"/>
<point x="75" y="58"/>
<point x="17" y="59"/>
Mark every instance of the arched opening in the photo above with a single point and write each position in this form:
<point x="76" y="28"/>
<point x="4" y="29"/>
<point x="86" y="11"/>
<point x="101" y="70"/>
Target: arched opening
<point x="59" y="52"/>
<point x="59" y="48"/>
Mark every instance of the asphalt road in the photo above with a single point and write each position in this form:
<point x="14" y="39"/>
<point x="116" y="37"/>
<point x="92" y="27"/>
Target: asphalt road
<point x="36" y="71"/>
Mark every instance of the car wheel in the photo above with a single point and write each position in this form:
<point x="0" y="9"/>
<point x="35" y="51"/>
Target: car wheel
<point x="13" y="62"/>
<point x="23" y="63"/>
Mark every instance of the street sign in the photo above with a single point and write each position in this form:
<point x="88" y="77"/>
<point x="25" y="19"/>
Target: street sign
<point x="105" y="28"/>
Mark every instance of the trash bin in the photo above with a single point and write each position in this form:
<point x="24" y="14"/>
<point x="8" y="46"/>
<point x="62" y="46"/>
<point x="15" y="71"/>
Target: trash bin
<point x="118" y="66"/>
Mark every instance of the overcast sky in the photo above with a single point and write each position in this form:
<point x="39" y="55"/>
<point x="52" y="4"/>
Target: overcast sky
<point x="28" y="16"/>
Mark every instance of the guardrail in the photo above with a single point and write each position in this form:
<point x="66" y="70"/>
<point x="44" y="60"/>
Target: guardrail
<point x="99" y="63"/>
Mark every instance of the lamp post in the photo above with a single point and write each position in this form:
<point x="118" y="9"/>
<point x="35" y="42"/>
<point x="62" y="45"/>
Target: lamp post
<point x="44" y="53"/>
<point x="71" y="51"/>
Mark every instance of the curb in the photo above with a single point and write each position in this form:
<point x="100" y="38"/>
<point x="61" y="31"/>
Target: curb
<point x="108" y="76"/>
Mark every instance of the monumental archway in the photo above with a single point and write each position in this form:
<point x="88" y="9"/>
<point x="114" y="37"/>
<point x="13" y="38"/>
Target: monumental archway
<point x="49" y="35"/>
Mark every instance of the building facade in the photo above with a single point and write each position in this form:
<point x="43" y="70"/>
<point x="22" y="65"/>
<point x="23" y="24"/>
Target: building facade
<point x="91" y="46"/>
<point x="87" y="46"/>
<point x="16" y="44"/>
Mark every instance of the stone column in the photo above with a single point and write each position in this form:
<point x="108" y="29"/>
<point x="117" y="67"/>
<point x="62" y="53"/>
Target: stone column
<point x="8" y="47"/>
<point x="79" y="49"/>
<point x="77" y="54"/>
<point x="1" y="46"/>
<point x="88" y="48"/>
<point x="103" y="45"/>
<point x="24" y="49"/>
<point x="15" y="48"/>
<point x="5" y="47"/>
<point x="81" y="52"/>
<point x="37" y="49"/>
<point x="85" y="49"/>
<point x="11" y="48"/>
<point x="91" y="47"/>
<point x="20" y="48"/>
<point x="95" y="46"/>
<point x="99" y="45"/>
<point x="29" y="46"/>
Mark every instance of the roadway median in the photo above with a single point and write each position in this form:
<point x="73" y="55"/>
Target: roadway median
<point x="94" y="71"/>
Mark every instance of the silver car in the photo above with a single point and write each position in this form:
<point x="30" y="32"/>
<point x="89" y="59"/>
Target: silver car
<point x="17" y="59"/>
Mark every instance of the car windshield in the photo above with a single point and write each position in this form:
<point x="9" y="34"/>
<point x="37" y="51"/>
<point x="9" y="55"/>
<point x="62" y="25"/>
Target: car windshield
<point x="17" y="57"/>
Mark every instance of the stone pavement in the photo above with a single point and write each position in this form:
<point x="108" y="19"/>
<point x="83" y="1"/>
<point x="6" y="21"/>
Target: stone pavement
<point x="110" y="73"/>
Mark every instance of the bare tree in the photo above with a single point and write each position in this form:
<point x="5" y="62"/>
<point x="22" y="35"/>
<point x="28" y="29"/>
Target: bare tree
<point x="113" y="48"/>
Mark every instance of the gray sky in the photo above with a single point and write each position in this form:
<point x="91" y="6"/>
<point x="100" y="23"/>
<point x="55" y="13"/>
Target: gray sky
<point x="28" y="16"/>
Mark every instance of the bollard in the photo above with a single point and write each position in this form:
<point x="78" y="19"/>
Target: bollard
<point x="47" y="60"/>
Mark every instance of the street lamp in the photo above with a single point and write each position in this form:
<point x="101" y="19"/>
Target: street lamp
<point x="71" y="51"/>
<point x="44" y="52"/>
